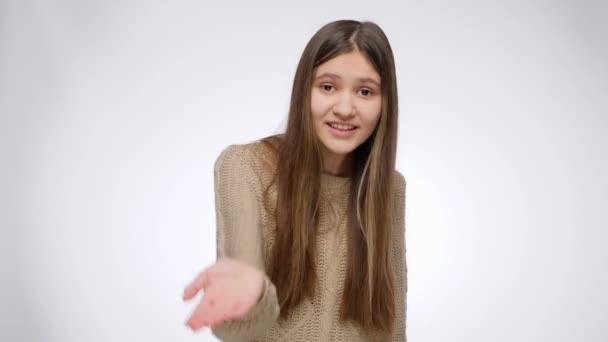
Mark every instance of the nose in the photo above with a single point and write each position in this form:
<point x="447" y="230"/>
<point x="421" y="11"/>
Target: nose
<point x="344" y="106"/>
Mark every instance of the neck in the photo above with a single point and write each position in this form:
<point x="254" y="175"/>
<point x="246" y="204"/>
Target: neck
<point x="337" y="165"/>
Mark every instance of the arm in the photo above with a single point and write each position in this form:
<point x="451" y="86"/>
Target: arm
<point x="400" y="263"/>
<point x="239" y="237"/>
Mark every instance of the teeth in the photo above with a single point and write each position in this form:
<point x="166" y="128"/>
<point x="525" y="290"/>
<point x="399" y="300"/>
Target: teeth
<point x="341" y="127"/>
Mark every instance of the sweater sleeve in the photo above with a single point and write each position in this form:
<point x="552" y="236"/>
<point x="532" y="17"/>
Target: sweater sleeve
<point x="400" y="263"/>
<point x="239" y="236"/>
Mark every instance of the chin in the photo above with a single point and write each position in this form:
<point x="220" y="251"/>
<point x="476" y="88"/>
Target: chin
<point x="340" y="149"/>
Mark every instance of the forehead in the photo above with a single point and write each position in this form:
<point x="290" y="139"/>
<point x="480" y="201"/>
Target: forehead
<point x="349" y="65"/>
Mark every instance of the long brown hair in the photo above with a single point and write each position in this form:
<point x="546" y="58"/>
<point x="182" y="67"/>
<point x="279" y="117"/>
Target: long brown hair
<point x="368" y="296"/>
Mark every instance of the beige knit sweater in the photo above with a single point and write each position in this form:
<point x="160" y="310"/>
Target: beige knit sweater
<point x="245" y="231"/>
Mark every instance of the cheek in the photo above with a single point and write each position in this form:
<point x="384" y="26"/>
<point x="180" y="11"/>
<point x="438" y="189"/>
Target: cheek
<point x="319" y="104"/>
<point x="370" y="114"/>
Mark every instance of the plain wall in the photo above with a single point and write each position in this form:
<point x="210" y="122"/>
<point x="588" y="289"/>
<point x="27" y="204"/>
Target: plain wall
<point x="113" y="114"/>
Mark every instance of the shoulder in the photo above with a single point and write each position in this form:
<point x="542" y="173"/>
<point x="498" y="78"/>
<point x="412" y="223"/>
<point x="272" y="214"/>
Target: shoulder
<point x="252" y="160"/>
<point x="399" y="202"/>
<point x="238" y="154"/>
<point x="232" y="156"/>
<point x="399" y="180"/>
<point x="399" y="192"/>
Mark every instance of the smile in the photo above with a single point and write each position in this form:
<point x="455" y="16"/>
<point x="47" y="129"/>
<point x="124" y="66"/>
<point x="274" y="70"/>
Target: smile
<point x="341" y="127"/>
<point x="341" y="130"/>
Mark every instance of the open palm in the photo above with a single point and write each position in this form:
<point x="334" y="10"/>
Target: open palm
<point x="231" y="288"/>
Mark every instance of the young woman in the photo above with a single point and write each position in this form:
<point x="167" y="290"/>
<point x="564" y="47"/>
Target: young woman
<point x="310" y="223"/>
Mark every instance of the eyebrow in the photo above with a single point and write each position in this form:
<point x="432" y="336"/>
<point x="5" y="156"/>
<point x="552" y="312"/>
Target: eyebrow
<point x="362" y="79"/>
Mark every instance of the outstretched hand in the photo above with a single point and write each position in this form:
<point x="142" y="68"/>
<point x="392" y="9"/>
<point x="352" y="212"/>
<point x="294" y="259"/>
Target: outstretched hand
<point x="231" y="288"/>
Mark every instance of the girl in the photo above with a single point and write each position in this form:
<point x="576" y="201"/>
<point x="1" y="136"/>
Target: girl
<point x="310" y="223"/>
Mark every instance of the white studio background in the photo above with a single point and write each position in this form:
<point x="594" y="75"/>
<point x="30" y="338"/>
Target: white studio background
<point x="113" y="113"/>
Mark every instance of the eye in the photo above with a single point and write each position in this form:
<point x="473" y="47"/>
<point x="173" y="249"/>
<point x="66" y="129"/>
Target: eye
<point x="327" y="87"/>
<point x="366" y="92"/>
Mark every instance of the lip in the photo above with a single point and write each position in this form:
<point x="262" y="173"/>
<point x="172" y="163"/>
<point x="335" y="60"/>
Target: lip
<point x="341" y="134"/>
<point x="341" y="123"/>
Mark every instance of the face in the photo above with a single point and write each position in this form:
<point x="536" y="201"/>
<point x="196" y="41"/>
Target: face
<point x="345" y="104"/>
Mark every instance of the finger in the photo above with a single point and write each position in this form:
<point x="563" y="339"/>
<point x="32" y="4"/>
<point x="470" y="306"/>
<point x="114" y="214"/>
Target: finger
<point x="201" y="280"/>
<point x="206" y="311"/>
<point x="199" y="317"/>
<point x="204" y="279"/>
<point x="222" y="267"/>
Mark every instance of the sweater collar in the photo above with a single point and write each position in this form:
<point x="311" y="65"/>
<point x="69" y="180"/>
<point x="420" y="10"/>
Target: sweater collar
<point x="334" y="182"/>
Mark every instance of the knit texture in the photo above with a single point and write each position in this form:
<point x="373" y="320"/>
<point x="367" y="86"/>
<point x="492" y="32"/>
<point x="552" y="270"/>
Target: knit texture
<point x="246" y="230"/>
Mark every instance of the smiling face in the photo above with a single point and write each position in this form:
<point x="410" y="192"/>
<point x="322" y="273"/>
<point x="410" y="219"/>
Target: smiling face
<point x="345" y="105"/>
